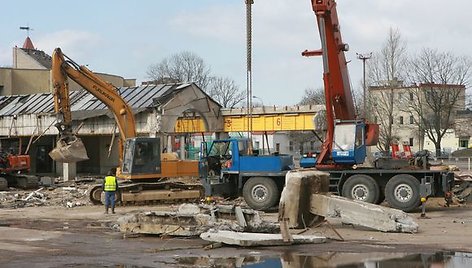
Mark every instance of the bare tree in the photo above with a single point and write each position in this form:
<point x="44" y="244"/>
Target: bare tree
<point x="303" y="139"/>
<point x="182" y="67"/>
<point x="313" y="96"/>
<point x="384" y="75"/>
<point x="225" y="91"/>
<point x="441" y="78"/>
<point x="189" y="67"/>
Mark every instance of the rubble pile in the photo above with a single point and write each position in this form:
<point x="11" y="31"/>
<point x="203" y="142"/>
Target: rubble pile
<point x="463" y="189"/>
<point x="193" y="220"/>
<point x="56" y="193"/>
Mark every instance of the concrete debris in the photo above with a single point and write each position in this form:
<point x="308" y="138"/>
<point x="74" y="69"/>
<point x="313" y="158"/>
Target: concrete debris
<point x="36" y="194"/>
<point x="46" y="181"/>
<point x="294" y="205"/>
<point x="312" y="185"/>
<point x="363" y="214"/>
<point x="193" y="220"/>
<point x="257" y="239"/>
<point x="71" y="194"/>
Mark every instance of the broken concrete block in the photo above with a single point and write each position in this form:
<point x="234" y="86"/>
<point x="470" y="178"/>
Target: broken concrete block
<point x="191" y="220"/>
<point x="240" y="216"/>
<point x="188" y="209"/>
<point x="257" y="239"/>
<point x="294" y="205"/>
<point x="363" y="214"/>
<point x="46" y="181"/>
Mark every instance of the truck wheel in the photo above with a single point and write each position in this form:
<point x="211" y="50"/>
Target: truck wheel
<point x="261" y="193"/>
<point x="361" y="187"/>
<point x="403" y="192"/>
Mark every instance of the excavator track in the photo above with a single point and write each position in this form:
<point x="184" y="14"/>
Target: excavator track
<point x="133" y="193"/>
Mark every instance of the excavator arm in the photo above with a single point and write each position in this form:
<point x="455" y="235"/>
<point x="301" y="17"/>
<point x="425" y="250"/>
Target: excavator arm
<point x="70" y="148"/>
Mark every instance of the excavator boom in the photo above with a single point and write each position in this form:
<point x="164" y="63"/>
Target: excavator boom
<point x="69" y="147"/>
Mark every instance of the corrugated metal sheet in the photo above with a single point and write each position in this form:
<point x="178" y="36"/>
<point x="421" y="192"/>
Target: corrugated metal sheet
<point x="137" y="97"/>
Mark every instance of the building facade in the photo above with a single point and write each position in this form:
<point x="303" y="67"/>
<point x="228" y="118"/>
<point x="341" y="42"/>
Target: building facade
<point x="408" y="109"/>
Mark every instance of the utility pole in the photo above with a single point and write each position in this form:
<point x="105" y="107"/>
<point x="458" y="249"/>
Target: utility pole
<point x="364" y="58"/>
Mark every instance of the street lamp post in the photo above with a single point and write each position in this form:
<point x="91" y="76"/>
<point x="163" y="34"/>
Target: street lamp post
<point x="364" y="58"/>
<point x="262" y="102"/>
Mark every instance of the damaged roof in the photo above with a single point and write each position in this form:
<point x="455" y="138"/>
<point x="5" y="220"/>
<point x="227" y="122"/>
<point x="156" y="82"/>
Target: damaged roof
<point x="85" y="105"/>
<point x="39" y="56"/>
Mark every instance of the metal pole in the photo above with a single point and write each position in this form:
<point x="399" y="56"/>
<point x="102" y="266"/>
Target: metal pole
<point x="249" y="69"/>
<point x="364" y="58"/>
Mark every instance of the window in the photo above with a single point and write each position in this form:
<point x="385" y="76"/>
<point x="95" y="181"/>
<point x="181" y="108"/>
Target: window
<point x="277" y="147"/>
<point x="464" y="143"/>
<point x="401" y="120"/>
<point x="411" y="96"/>
<point x="290" y="146"/>
<point x="343" y="138"/>
<point x="412" y="120"/>
<point x="411" y="141"/>
<point x="391" y="120"/>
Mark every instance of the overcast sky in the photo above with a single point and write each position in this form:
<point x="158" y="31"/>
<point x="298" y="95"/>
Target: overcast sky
<point x="126" y="37"/>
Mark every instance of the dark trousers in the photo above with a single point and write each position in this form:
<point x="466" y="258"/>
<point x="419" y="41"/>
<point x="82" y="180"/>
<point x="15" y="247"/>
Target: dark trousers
<point x="110" y="200"/>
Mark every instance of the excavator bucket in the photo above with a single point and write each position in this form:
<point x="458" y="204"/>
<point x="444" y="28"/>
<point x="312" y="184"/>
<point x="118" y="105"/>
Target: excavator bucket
<point x="69" y="150"/>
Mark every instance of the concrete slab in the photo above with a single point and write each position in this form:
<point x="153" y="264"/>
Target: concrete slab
<point x="258" y="239"/>
<point x="192" y="220"/>
<point x="363" y="214"/>
<point x="294" y="205"/>
<point x="305" y="197"/>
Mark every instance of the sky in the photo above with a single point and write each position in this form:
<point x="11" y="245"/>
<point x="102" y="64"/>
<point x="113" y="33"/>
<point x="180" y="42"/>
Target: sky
<point x="126" y="37"/>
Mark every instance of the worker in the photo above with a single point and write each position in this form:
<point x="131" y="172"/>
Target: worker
<point x="110" y="185"/>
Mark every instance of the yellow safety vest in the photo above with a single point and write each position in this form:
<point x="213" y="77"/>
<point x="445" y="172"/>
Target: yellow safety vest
<point x="110" y="184"/>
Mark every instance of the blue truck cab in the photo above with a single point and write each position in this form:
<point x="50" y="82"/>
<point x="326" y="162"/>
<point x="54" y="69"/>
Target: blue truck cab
<point x="229" y="169"/>
<point x="348" y="148"/>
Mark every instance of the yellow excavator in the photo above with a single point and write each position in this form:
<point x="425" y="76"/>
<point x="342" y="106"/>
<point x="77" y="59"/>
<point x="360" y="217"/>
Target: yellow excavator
<point x="146" y="173"/>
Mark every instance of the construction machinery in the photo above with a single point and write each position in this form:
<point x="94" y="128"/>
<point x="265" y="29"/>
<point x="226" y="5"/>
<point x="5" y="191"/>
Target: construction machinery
<point x="227" y="169"/>
<point x="143" y="169"/>
<point x="344" y="149"/>
<point x="13" y="169"/>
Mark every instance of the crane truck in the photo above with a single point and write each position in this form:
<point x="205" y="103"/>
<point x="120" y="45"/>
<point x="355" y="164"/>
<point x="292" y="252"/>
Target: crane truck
<point x="344" y="148"/>
<point x="142" y="166"/>
<point x="342" y="154"/>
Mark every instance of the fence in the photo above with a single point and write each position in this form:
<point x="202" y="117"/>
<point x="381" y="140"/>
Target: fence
<point x="463" y="163"/>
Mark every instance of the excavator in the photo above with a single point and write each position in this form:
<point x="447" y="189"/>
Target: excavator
<point x="146" y="173"/>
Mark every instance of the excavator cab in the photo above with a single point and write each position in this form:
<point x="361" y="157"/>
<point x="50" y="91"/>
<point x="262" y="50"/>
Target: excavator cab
<point x="349" y="149"/>
<point x="141" y="155"/>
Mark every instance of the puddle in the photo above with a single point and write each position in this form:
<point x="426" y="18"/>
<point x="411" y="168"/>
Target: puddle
<point x="295" y="260"/>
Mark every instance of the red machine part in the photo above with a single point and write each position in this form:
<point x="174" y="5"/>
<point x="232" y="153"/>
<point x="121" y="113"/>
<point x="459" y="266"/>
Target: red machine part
<point x="337" y="89"/>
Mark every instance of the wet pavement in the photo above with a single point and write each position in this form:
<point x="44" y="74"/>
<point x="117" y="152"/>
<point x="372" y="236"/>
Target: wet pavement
<point x="85" y="237"/>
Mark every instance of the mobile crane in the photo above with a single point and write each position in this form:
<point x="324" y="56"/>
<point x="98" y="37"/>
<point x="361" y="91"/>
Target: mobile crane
<point x="140" y="163"/>
<point x="347" y="136"/>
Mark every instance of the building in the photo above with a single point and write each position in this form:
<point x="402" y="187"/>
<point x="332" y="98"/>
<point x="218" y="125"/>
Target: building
<point x="401" y="107"/>
<point x="30" y="73"/>
<point x="26" y="123"/>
